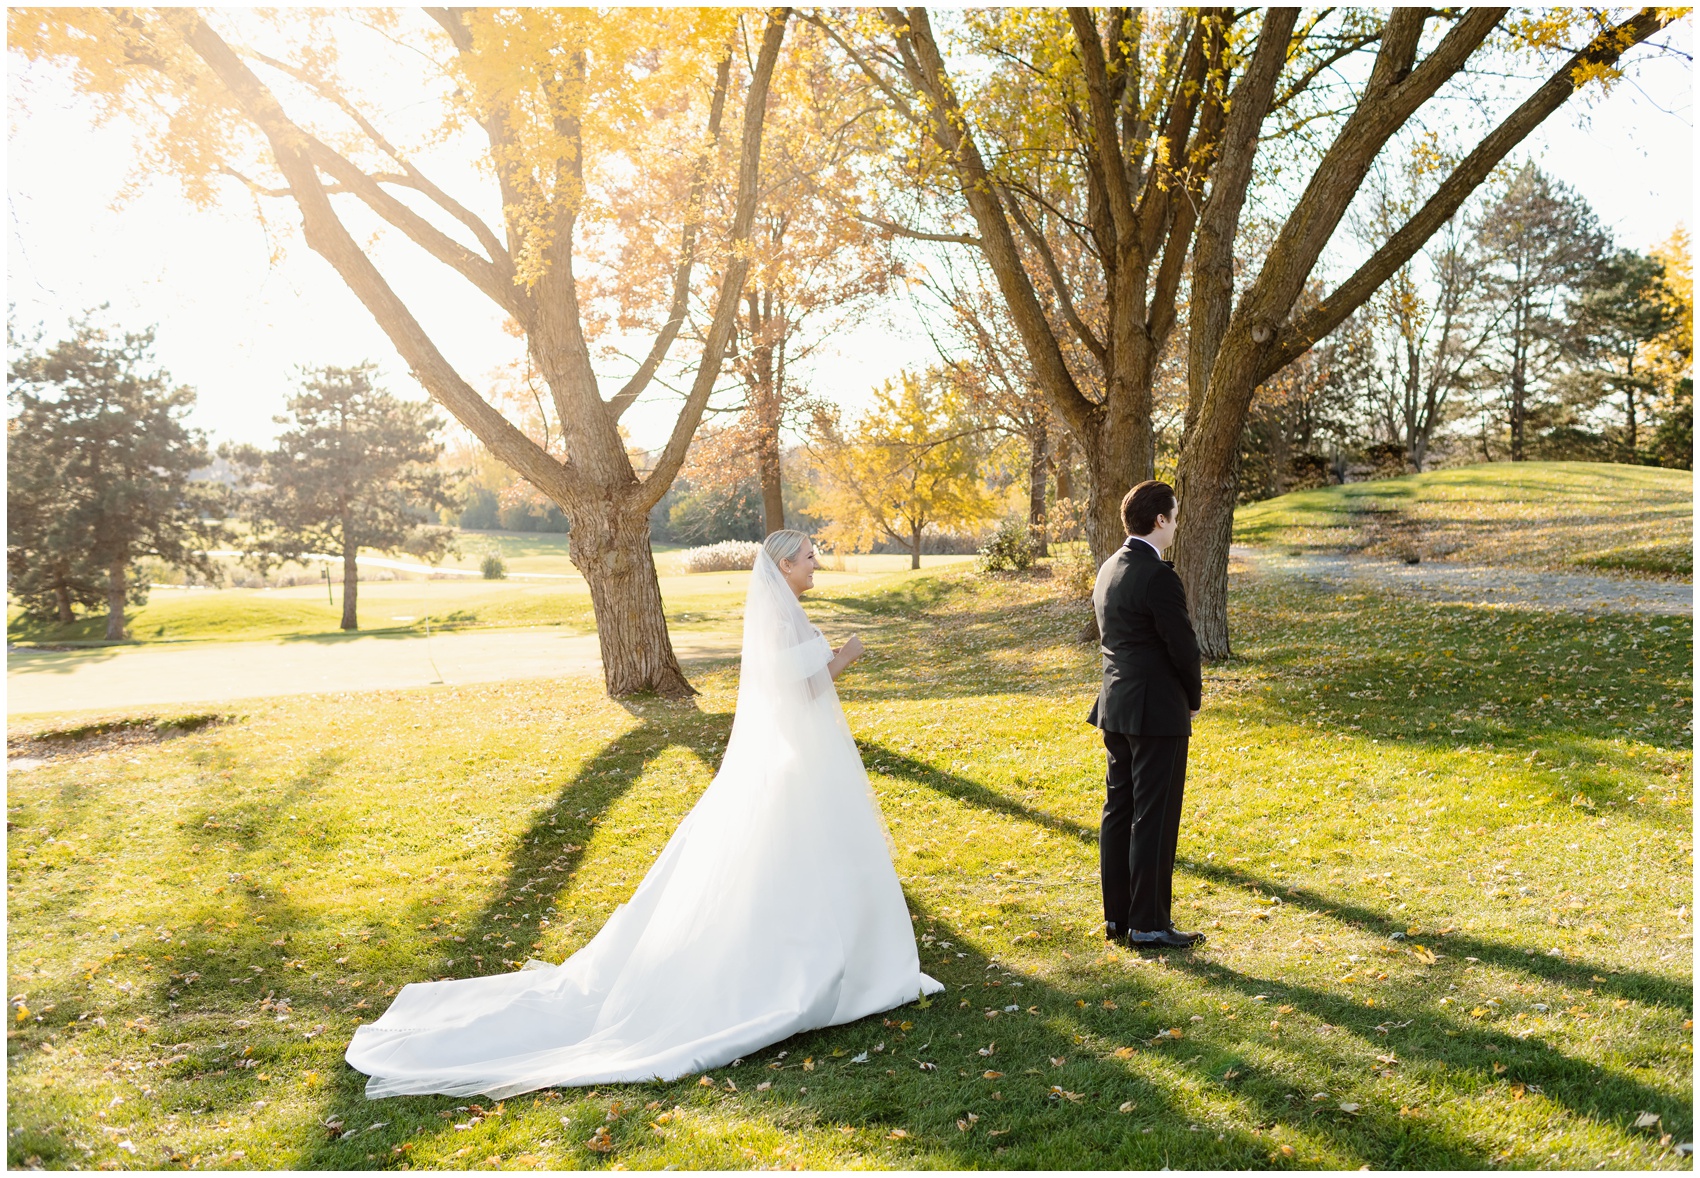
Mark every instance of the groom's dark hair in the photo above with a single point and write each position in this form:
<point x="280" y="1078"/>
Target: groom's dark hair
<point x="1142" y="505"/>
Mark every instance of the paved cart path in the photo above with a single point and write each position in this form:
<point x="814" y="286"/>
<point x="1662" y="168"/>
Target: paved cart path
<point x="216" y="672"/>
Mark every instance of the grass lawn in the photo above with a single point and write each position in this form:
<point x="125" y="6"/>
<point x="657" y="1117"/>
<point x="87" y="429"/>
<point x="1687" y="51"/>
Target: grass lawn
<point x="1443" y="855"/>
<point x="1554" y="515"/>
<point x="698" y="601"/>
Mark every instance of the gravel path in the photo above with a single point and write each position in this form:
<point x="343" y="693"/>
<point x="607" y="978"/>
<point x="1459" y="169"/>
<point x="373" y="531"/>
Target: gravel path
<point x="1508" y="588"/>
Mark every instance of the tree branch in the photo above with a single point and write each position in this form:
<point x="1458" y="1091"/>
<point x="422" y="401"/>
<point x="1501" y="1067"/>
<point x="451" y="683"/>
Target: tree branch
<point x="898" y="102"/>
<point x="1605" y="50"/>
<point x="1213" y="253"/>
<point x="1054" y="272"/>
<point x="622" y="400"/>
<point x="926" y="71"/>
<point x="329" y="238"/>
<point x="414" y="178"/>
<point x="1105" y="138"/>
<point x="483" y="274"/>
<point x="672" y="457"/>
<point x="913" y="234"/>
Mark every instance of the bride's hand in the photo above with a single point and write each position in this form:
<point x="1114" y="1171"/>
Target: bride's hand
<point x="850" y="651"/>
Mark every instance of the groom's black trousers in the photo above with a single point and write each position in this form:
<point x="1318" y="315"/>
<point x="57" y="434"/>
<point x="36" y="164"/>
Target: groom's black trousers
<point x="1142" y="823"/>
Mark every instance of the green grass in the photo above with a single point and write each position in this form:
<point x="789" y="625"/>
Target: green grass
<point x="1552" y="515"/>
<point x="1443" y="855"/>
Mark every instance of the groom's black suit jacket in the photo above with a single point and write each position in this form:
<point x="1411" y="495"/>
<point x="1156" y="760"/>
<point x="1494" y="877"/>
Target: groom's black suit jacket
<point x="1152" y="678"/>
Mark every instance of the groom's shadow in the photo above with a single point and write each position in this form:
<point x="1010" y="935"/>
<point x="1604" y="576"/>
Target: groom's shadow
<point x="543" y="863"/>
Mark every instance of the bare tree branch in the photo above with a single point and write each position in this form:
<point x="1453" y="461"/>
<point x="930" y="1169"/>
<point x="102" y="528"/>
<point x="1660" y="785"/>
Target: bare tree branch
<point x="414" y="178"/>
<point x="1058" y="284"/>
<point x="1299" y="336"/>
<point x="622" y="400"/>
<point x="672" y="456"/>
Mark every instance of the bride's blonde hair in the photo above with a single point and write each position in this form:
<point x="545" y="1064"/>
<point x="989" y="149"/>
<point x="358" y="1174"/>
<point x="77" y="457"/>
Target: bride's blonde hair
<point x="785" y="544"/>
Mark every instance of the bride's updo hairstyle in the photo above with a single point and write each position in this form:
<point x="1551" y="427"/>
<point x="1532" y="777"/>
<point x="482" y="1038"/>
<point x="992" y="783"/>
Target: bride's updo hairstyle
<point x="785" y="544"/>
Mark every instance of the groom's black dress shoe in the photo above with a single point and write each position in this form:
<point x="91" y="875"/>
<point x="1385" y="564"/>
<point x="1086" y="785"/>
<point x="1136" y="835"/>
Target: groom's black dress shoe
<point x="1169" y="938"/>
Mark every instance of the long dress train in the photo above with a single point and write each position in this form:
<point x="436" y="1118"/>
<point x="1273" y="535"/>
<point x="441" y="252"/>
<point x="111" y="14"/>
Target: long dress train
<point x="773" y="909"/>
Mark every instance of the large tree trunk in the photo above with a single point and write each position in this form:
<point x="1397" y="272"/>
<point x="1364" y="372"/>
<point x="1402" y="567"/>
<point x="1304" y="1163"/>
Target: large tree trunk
<point x="117" y="592"/>
<point x="1114" y="465"/>
<point x="915" y="548"/>
<point x="1039" y="443"/>
<point x="611" y="549"/>
<point x="62" y="604"/>
<point x="1207" y="488"/>
<point x="350" y="581"/>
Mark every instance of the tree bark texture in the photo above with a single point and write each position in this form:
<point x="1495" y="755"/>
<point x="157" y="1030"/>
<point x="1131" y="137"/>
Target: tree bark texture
<point x="350" y="580"/>
<point x="62" y="605"/>
<point x="772" y="485"/>
<point x="765" y="402"/>
<point x="117" y="593"/>
<point x="1038" y="463"/>
<point x="611" y="549"/>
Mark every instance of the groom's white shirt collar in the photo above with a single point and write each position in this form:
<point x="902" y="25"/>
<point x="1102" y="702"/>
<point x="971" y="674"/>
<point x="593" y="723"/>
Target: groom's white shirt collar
<point x="1149" y="545"/>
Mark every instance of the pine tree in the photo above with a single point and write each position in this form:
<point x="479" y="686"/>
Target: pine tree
<point x="99" y="460"/>
<point x="356" y="469"/>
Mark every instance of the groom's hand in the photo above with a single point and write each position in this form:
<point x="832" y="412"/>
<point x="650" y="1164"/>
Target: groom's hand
<point x="851" y="650"/>
<point x="1195" y="713"/>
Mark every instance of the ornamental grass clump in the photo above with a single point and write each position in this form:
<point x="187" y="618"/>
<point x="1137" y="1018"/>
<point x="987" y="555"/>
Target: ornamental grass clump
<point x="728" y="556"/>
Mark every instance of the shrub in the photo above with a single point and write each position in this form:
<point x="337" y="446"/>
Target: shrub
<point x="1009" y="549"/>
<point x="1387" y="460"/>
<point x="494" y="567"/>
<point x="1306" y="472"/>
<point x="728" y="556"/>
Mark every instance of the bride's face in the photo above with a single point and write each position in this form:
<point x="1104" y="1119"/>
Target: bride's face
<point x="799" y="571"/>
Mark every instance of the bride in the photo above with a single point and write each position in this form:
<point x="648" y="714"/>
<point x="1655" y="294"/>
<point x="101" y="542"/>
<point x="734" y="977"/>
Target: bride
<point x="773" y="909"/>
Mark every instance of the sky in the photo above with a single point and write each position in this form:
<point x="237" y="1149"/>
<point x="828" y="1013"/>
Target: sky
<point x="239" y="307"/>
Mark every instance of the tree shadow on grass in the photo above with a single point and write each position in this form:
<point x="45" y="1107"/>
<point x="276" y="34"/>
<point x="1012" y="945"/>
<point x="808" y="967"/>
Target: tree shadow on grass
<point x="1584" y="1089"/>
<point x="236" y="982"/>
<point x="1635" y="985"/>
<point x="880" y="758"/>
<point x="1053" y="1094"/>
<point x="541" y="866"/>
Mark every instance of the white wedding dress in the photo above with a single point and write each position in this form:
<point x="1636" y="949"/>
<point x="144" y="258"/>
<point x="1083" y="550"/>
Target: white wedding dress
<point x="773" y="909"/>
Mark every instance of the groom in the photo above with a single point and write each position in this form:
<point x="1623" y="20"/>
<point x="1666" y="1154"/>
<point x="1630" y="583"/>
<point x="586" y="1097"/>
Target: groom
<point x="1152" y="688"/>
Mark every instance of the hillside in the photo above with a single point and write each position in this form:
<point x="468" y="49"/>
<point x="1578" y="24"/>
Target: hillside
<point x="1554" y="515"/>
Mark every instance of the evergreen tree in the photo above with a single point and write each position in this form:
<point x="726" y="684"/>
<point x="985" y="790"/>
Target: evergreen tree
<point x="357" y="468"/>
<point x="98" y="474"/>
<point x="1621" y="313"/>
<point x="1539" y="240"/>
